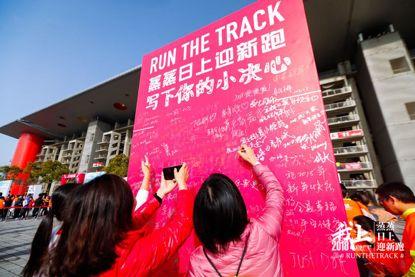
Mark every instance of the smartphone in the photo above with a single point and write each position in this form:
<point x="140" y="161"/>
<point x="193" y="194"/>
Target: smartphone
<point x="168" y="172"/>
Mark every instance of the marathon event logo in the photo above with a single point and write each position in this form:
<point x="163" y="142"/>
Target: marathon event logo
<point x="379" y="243"/>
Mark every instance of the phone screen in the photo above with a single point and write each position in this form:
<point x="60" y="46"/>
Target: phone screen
<point x="168" y="172"/>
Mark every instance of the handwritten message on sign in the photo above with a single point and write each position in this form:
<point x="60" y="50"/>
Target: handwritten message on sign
<point x="247" y="78"/>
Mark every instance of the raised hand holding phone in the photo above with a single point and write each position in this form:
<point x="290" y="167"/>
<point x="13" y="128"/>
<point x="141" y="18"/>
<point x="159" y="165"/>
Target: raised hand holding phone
<point x="168" y="172"/>
<point x="166" y="186"/>
<point x="181" y="176"/>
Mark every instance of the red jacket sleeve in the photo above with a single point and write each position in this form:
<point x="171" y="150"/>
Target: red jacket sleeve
<point x="158" y="246"/>
<point x="271" y="220"/>
<point x="144" y="213"/>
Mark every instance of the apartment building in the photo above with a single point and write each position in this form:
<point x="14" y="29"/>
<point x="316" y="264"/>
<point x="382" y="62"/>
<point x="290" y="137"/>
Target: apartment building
<point x="113" y="143"/>
<point x="97" y="152"/>
<point x="356" y="159"/>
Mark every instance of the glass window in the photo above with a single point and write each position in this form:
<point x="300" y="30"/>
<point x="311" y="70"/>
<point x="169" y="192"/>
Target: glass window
<point x="399" y="65"/>
<point x="410" y="108"/>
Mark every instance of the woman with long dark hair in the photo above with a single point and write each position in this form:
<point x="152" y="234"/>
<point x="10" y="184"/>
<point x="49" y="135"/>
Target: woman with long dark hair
<point x="233" y="244"/>
<point x="101" y="235"/>
<point x="46" y="235"/>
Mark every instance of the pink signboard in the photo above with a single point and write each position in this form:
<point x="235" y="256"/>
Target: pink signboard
<point x="247" y="78"/>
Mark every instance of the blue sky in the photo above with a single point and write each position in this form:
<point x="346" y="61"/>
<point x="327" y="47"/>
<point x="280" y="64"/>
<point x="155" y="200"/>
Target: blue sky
<point x="50" y="50"/>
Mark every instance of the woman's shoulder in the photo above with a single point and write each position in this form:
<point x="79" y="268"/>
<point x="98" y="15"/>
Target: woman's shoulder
<point x="255" y="225"/>
<point x="257" y="230"/>
<point x="196" y="253"/>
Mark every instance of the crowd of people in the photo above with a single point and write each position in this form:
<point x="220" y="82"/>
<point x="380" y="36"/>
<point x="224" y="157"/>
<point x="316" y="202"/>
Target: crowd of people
<point x="101" y="229"/>
<point x="24" y="206"/>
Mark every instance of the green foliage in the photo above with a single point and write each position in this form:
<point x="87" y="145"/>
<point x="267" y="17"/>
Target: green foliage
<point x="118" y="165"/>
<point x="46" y="172"/>
<point x="10" y="172"/>
<point x="34" y="171"/>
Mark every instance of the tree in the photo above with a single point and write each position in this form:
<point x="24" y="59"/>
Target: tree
<point x="46" y="172"/>
<point x="33" y="170"/>
<point x="10" y="172"/>
<point x="13" y="173"/>
<point x="118" y="165"/>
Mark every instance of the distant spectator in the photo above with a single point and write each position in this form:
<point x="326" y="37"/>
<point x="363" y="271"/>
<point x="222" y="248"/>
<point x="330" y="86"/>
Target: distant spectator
<point x="2" y="206"/>
<point x="7" y="204"/>
<point x="27" y="203"/>
<point x="45" y="205"/>
<point x="37" y="205"/>
<point x="18" y="204"/>
<point x="11" y="210"/>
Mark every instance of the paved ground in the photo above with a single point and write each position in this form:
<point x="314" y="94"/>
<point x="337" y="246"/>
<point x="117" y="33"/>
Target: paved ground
<point x="15" y="240"/>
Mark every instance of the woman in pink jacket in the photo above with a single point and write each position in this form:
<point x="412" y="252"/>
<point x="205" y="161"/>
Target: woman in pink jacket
<point x="232" y="244"/>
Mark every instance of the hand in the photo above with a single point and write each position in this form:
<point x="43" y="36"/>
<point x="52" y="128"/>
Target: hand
<point x="181" y="176"/>
<point x="246" y="153"/>
<point x="166" y="186"/>
<point x="146" y="168"/>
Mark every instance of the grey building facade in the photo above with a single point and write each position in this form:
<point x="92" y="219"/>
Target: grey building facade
<point x="386" y="76"/>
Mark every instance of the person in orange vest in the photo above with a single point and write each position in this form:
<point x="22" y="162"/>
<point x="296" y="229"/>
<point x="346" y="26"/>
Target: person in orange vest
<point x="399" y="199"/>
<point x="2" y="204"/>
<point x="45" y="205"/>
<point x="352" y="207"/>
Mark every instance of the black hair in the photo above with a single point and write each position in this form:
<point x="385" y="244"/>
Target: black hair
<point x="344" y="190"/>
<point x="39" y="252"/>
<point x="366" y="223"/>
<point x="219" y="213"/>
<point x="370" y="225"/>
<point x="59" y="199"/>
<point x="396" y="189"/>
<point x="94" y="223"/>
<point x="361" y="197"/>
